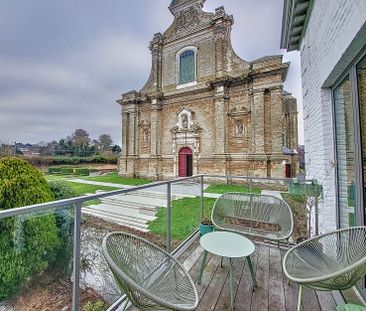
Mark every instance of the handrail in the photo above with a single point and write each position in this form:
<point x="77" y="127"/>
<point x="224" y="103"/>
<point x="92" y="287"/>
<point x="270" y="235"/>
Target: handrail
<point x="42" y="206"/>
<point x="78" y="201"/>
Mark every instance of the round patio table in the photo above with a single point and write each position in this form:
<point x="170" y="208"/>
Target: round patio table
<point x="230" y="245"/>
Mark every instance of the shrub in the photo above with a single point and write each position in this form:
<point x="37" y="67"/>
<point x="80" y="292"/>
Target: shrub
<point x="27" y="243"/>
<point x="82" y="171"/>
<point x="64" y="220"/>
<point x="67" y="170"/>
<point x="97" y="306"/>
<point x="54" y="170"/>
<point x="61" y="190"/>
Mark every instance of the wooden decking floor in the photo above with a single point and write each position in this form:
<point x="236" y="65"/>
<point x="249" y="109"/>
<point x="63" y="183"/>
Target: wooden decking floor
<point x="272" y="293"/>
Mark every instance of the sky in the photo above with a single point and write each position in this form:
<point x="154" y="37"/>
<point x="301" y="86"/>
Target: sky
<point x="64" y="63"/>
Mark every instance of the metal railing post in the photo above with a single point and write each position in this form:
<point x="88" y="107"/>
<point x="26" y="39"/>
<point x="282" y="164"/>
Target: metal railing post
<point x="76" y="257"/>
<point x="201" y="194"/>
<point x="250" y="184"/>
<point x="169" y="215"/>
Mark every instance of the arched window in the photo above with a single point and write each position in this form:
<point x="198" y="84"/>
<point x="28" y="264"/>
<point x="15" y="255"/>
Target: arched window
<point x="187" y="67"/>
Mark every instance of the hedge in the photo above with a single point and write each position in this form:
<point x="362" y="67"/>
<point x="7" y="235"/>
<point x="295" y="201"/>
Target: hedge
<point x="82" y="171"/>
<point x="69" y="171"/>
<point x="63" y="160"/>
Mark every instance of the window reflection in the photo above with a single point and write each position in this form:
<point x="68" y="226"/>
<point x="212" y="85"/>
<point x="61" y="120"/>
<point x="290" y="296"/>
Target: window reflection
<point x="187" y="68"/>
<point x="345" y="153"/>
<point x="361" y="82"/>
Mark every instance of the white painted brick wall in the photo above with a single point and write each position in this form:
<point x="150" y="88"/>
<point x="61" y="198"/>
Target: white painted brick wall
<point x="332" y="26"/>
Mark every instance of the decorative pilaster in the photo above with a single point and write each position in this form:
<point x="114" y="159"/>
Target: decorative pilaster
<point x="128" y="162"/>
<point x="222" y="27"/>
<point x="276" y="117"/>
<point x="154" y="163"/>
<point x="221" y="131"/>
<point x="258" y="122"/>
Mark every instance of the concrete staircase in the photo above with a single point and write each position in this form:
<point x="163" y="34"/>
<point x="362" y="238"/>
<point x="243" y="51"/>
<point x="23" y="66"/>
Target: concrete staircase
<point x="133" y="210"/>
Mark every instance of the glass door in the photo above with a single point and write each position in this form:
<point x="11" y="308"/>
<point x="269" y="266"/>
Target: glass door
<point x="361" y="86"/>
<point x="345" y="153"/>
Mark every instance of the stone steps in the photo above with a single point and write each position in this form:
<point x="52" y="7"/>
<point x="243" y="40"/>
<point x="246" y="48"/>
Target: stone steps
<point x="134" y="210"/>
<point x="122" y="216"/>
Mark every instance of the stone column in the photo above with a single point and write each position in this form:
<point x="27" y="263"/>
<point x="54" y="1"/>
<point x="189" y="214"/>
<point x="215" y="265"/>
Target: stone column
<point x="122" y="169"/>
<point x="156" y="47"/>
<point x="125" y="121"/>
<point x="258" y="121"/>
<point x="133" y="131"/>
<point x="154" y="165"/>
<point x="276" y="120"/>
<point x="220" y="120"/>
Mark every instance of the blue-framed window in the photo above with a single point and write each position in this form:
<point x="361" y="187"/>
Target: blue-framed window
<point x="187" y="67"/>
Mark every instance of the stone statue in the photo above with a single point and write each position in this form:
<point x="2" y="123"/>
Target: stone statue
<point x="239" y="128"/>
<point x="184" y="121"/>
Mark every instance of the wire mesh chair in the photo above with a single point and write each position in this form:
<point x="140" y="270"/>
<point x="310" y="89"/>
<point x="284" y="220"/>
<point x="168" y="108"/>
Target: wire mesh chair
<point x="332" y="261"/>
<point x="258" y="215"/>
<point x="6" y="306"/>
<point x="149" y="276"/>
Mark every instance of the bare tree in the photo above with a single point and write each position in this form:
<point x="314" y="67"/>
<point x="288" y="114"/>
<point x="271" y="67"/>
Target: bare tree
<point x="104" y="142"/>
<point x="80" y="138"/>
<point x="6" y="149"/>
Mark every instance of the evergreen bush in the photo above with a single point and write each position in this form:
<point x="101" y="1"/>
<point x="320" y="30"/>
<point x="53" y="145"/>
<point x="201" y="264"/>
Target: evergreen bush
<point x="54" y="170"/>
<point x="28" y="243"/>
<point x="82" y="171"/>
<point x="65" y="222"/>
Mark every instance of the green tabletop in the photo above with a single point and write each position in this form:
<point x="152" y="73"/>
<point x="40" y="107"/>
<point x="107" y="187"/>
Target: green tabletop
<point x="227" y="244"/>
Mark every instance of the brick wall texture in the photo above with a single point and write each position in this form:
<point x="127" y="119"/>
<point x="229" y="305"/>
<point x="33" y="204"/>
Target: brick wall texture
<point x="332" y="27"/>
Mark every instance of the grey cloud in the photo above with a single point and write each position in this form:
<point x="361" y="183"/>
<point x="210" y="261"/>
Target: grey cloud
<point x="63" y="64"/>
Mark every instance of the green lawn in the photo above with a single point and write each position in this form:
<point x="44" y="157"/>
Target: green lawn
<point x="81" y="189"/>
<point x="220" y="188"/>
<point x="115" y="179"/>
<point x="185" y="217"/>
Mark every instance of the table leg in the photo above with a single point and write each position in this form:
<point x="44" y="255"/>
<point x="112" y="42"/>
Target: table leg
<point x="251" y="271"/>
<point x="231" y="284"/>
<point x="203" y="262"/>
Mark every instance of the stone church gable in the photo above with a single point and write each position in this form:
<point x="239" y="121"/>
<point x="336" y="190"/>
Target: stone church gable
<point x="203" y="108"/>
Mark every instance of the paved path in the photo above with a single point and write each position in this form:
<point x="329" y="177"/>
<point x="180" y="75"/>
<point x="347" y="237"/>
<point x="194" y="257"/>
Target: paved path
<point x="181" y="188"/>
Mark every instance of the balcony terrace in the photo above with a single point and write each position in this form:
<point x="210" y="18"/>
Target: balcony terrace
<point x="273" y="291"/>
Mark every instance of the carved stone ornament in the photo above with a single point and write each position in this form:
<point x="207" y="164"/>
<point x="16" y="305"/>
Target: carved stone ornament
<point x="239" y="111"/>
<point x="144" y="123"/>
<point x="188" y="18"/>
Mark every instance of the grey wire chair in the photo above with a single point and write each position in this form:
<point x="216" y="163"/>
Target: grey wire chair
<point x="333" y="261"/>
<point x="236" y="211"/>
<point x="150" y="277"/>
<point x="6" y="306"/>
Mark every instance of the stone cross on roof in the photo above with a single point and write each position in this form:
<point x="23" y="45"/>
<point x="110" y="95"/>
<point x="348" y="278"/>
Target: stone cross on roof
<point x="177" y="5"/>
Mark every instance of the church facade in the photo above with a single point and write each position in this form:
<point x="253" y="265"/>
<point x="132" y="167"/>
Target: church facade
<point x="203" y="109"/>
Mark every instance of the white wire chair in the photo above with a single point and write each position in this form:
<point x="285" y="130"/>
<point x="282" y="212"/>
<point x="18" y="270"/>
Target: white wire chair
<point x="232" y="211"/>
<point x="332" y="261"/>
<point x="149" y="276"/>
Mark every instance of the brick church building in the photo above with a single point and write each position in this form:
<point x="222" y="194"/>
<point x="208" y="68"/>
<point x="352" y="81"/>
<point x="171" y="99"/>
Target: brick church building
<point x="204" y="109"/>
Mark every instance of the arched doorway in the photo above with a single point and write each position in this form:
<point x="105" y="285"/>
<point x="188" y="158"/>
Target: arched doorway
<point x="185" y="162"/>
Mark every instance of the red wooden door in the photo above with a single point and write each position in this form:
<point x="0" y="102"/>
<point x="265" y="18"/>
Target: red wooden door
<point x="288" y="171"/>
<point x="185" y="154"/>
